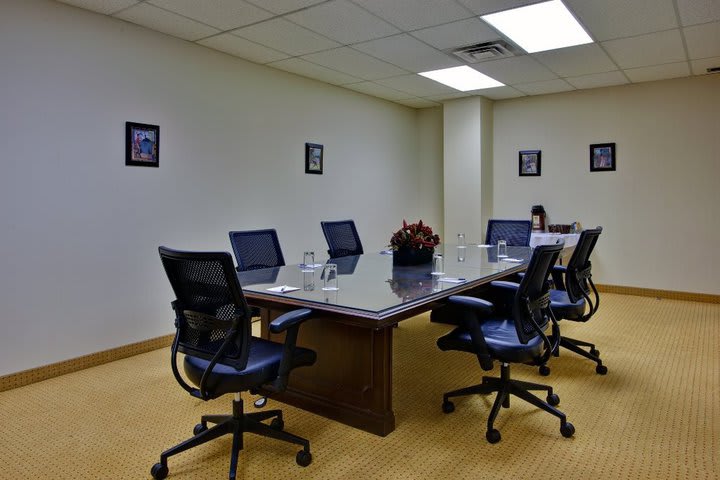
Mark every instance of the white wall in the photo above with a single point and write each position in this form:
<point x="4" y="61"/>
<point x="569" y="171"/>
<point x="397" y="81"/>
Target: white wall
<point x="658" y="210"/>
<point x="79" y="270"/>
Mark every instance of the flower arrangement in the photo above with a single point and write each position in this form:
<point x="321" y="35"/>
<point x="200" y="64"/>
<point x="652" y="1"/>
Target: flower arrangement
<point x="416" y="236"/>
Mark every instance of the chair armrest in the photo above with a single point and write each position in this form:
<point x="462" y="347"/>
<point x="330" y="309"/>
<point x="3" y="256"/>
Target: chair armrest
<point x="289" y="319"/>
<point x="503" y="285"/>
<point x="558" y="276"/>
<point x="482" y="306"/>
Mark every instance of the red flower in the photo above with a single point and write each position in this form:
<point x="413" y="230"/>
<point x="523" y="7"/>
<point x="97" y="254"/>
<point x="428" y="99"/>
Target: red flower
<point x="414" y="235"/>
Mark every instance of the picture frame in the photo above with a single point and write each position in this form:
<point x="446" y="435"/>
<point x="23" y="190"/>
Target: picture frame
<point x="142" y="145"/>
<point x="603" y="157"/>
<point x="529" y="163"/>
<point x="313" y="158"/>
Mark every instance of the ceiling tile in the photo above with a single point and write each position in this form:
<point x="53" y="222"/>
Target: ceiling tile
<point x="483" y="7"/>
<point x="541" y="88"/>
<point x="416" y="85"/>
<point x="608" y="19"/>
<point x="408" y="53"/>
<point x="658" y="72"/>
<point x="284" y="6"/>
<point x="355" y="63"/>
<point x="243" y="48"/>
<point x="703" y="40"/>
<point x="414" y="14"/>
<point x="576" y="61"/>
<point x="106" y="7"/>
<point x="514" y="70"/>
<point x="166" y="22"/>
<point x="457" y="34"/>
<point x="310" y="70"/>
<point x="286" y="37"/>
<point x="343" y="21"/>
<point x="377" y="90"/>
<point x="502" y="93"/>
<point x="222" y="14"/>
<point x="699" y="67"/>
<point x="645" y="50"/>
<point x="417" y="103"/>
<point x="693" y="12"/>
<point x="595" y="80"/>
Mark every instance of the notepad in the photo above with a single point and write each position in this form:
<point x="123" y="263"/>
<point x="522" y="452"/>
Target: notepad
<point x="386" y="252"/>
<point x="312" y="265"/>
<point x="452" y="280"/>
<point x="283" y="289"/>
<point x="512" y="260"/>
<point x="482" y="245"/>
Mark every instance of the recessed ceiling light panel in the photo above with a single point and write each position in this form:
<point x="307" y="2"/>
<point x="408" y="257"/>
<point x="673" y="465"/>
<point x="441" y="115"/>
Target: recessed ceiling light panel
<point x="540" y="27"/>
<point x="462" y="78"/>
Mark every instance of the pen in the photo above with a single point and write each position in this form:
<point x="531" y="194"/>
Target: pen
<point x="283" y="288"/>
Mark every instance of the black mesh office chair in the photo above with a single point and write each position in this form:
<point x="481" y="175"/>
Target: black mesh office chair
<point x="514" y="335"/>
<point x="514" y="232"/>
<point x="342" y="238"/>
<point x="571" y="300"/>
<point x="256" y="249"/>
<point x="221" y="355"/>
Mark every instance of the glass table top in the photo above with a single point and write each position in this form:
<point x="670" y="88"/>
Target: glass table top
<point x="370" y="286"/>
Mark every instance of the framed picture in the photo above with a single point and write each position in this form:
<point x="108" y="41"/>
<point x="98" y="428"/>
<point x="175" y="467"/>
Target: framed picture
<point x="313" y="158"/>
<point x="602" y="157"/>
<point x="142" y="145"/>
<point x="529" y="163"/>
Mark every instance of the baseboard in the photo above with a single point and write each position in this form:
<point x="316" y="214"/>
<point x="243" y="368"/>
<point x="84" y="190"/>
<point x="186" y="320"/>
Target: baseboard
<point x="651" y="292"/>
<point x="26" y="377"/>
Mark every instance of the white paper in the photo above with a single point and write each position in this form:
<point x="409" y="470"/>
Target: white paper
<point x="312" y="265"/>
<point x="513" y="260"/>
<point x="452" y="280"/>
<point x="386" y="252"/>
<point x="482" y="245"/>
<point x="283" y="289"/>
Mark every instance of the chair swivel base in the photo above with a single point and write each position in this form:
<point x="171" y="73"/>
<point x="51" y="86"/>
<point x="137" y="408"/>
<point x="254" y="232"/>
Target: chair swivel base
<point x="236" y="425"/>
<point x="505" y="386"/>
<point x="575" y="346"/>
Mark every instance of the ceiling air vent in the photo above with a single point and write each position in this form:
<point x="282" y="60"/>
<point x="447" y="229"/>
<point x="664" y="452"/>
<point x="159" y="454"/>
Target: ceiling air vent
<point x="481" y="52"/>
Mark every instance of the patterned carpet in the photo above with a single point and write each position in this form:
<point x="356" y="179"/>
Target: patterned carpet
<point x="655" y="415"/>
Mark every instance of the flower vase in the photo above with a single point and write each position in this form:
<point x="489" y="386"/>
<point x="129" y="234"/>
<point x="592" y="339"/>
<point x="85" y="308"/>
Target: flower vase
<point x="405" y="256"/>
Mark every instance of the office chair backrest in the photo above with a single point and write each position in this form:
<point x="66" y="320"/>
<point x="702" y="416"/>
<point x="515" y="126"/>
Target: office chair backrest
<point x="256" y="249"/>
<point x="211" y="313"/>
<point x="577" y="277"/>
<point x="514" y="232"/>
<point x="342" y="238"/>
<point x="532" y="299"/>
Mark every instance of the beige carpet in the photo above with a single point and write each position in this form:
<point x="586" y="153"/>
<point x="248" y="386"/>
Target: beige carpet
<point x="654" y="416"/>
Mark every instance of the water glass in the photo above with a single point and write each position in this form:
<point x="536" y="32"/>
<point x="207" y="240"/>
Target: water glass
<point x="461" y="240"/>
<point x="308" y="261"/>
<point x="308" y="280"/>
<point x="330" y="278"/>
<point x="502" y="249"/>
<point x="461" y="254"/>
<point x="437" y="264"/>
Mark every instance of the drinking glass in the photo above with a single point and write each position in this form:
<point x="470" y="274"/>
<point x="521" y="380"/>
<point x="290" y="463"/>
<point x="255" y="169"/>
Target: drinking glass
<point x="501" y="249"/>
<point x="437" y="264"/>
<point x="461" y="253"/>
<point x="461" y="240"/>
<point x="308" y="261"/>
<point x="308" y="280"/>
<point x="330" y="278"/>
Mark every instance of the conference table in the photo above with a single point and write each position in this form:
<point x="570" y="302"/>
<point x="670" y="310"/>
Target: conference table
<point x="351" y="329"/>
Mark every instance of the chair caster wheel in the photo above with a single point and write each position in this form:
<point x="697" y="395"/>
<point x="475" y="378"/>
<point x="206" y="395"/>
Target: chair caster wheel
<point x="567" y="429"/>
<point x="448" y="406"/>
<point x="260" y="402"/>
<point x="277" y="424"/>
<point x="544" y="370"/>
<point x="493" y="436"/>
<point x="303" y="458"/>
<point x="553" y="399"/>
<point x="199" y="428"/>
<point x="595" y="352"/>
<point x="159" y="471"/>
<point x="601" y="369"/>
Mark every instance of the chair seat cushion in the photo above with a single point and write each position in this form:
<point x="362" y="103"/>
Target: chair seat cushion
<point x="262" y="367"/>
<point x="563" y="308"/>
<point x="501" y="339"/>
